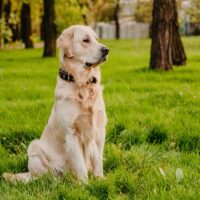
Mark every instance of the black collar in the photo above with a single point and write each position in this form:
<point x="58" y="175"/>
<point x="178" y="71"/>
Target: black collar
<point x="69" y="78"/>
<point x="65" y="76"/>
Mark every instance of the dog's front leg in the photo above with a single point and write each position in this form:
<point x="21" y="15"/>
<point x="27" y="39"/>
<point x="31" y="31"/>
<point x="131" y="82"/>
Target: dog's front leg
<point x="98" y="144"/>
<point x="97" y="161"/>
<point x="75" y="155"/>
<point x="97" y="158"/>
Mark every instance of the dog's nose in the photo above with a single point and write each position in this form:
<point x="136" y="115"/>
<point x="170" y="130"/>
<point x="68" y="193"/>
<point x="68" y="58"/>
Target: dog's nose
<point x="104" y="50"/>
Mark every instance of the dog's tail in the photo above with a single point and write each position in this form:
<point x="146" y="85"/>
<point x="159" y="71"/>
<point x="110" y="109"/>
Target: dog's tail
<point x="20" y="177"/>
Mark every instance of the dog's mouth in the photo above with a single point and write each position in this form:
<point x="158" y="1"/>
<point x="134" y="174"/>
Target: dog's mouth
<point x="92" y="65"/>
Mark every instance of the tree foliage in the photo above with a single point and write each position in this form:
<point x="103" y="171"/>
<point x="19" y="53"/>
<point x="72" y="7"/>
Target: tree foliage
<point x="83" y="12"/>
<point x="194" y="10"/>
<point x="36" y="18"/>
<point x="67" y="13"/>
<point x="100" y="10"/>
<point x="143" y="10"/>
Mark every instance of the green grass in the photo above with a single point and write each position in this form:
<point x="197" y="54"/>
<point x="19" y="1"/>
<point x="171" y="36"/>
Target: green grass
<point x="154" y="122"/>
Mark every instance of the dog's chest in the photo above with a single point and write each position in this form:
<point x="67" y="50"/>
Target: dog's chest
<point x="81" y="108"/>
<point x="87" y="97"/>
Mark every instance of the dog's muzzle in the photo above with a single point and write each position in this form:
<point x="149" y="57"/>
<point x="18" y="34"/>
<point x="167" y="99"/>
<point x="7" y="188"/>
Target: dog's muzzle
<point x="104" y="51"/>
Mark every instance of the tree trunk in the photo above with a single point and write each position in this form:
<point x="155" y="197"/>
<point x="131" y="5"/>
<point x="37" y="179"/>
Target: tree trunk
<point x="12" y="26"/>
<point x="49" y="29"/>
<point x="15" y="28"/>
<point x="178" y="52"/>
<point x="161" y="56"/>
<point x="1" y="15"/>
<point x="1" y="9"/>
<point x="26" y="29"/>
<point x="6" y="12"/>
<point x="116" y="18"/>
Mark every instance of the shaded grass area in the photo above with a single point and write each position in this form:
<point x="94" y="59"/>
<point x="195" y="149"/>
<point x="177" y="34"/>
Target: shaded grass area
<point x="153" y="123"/>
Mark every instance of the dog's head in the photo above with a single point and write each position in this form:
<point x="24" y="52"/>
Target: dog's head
<point x="79" y="44"/>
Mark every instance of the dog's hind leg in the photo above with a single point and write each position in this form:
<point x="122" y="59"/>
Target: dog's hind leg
<point x="38" y="162"/>
<point x="37" y="165"/>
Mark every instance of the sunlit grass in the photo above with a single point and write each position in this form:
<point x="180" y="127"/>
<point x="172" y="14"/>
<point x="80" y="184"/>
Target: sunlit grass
<point x="153" y="123"/>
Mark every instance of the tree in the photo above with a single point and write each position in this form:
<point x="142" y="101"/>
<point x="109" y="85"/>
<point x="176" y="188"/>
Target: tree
<point x="49" y="28"/>
<point x="161" y="35"/>
<point x="83" y="5"/>
<point x="1" y="9"/>
<point x="7" y="11"/>
<point x="26" y="29"/>
<point x="68" y="13"/>
<point x="178" y="52"/>
<point x="193" y="10"/>
<point x="166" y="46"/>
<point x="143" y="10"/>
<point x="10" y="24"/>
<point x="116" y="18"/>
<point x="1" y="17"/>
<point x="98" y="10"/>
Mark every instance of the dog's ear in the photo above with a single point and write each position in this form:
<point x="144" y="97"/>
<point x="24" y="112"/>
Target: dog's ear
<point x="65" y="42"/>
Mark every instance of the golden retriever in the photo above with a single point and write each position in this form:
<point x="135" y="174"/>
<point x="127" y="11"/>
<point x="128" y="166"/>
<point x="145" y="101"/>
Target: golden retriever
<point x="73" y="139"/>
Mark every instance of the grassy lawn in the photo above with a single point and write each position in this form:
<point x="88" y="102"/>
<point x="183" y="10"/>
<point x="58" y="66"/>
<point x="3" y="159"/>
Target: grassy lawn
<point x="153" y="128"/>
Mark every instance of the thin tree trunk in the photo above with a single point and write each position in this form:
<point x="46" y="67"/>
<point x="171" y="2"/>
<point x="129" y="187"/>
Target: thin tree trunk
<point x="178" y="52"/>
<point x="49" y="28"/>
<point x="161" y="56"/>
<point x="6" y="11"/>
<point x="116" y="18"/>
<point x="26" y="29"/>
<point x="15" y="28"/>
<point x="1" y="9"/>
<point x="1" y="16"/>
<point x="42" y="29"/>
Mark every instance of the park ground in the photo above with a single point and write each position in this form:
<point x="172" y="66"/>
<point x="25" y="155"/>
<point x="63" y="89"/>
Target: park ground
<point x="153" y="126"/>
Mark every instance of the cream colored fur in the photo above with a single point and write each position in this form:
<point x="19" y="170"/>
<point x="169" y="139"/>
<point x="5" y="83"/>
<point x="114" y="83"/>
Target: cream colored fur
<point x="73" y="139"/>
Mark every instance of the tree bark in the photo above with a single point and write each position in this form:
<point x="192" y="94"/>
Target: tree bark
<point x="1" y="16"/>
<point x="116" y="18"/>
<point x="161" y="56"/>
<point x="49" y="28"/>
<point x="178" y="52"/>
<point x="26" y="29"/>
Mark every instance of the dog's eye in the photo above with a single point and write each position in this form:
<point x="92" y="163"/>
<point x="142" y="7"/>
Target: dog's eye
<point x="86" y="40"/>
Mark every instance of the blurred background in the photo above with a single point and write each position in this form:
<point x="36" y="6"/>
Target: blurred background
<point x="22" y="22"/>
